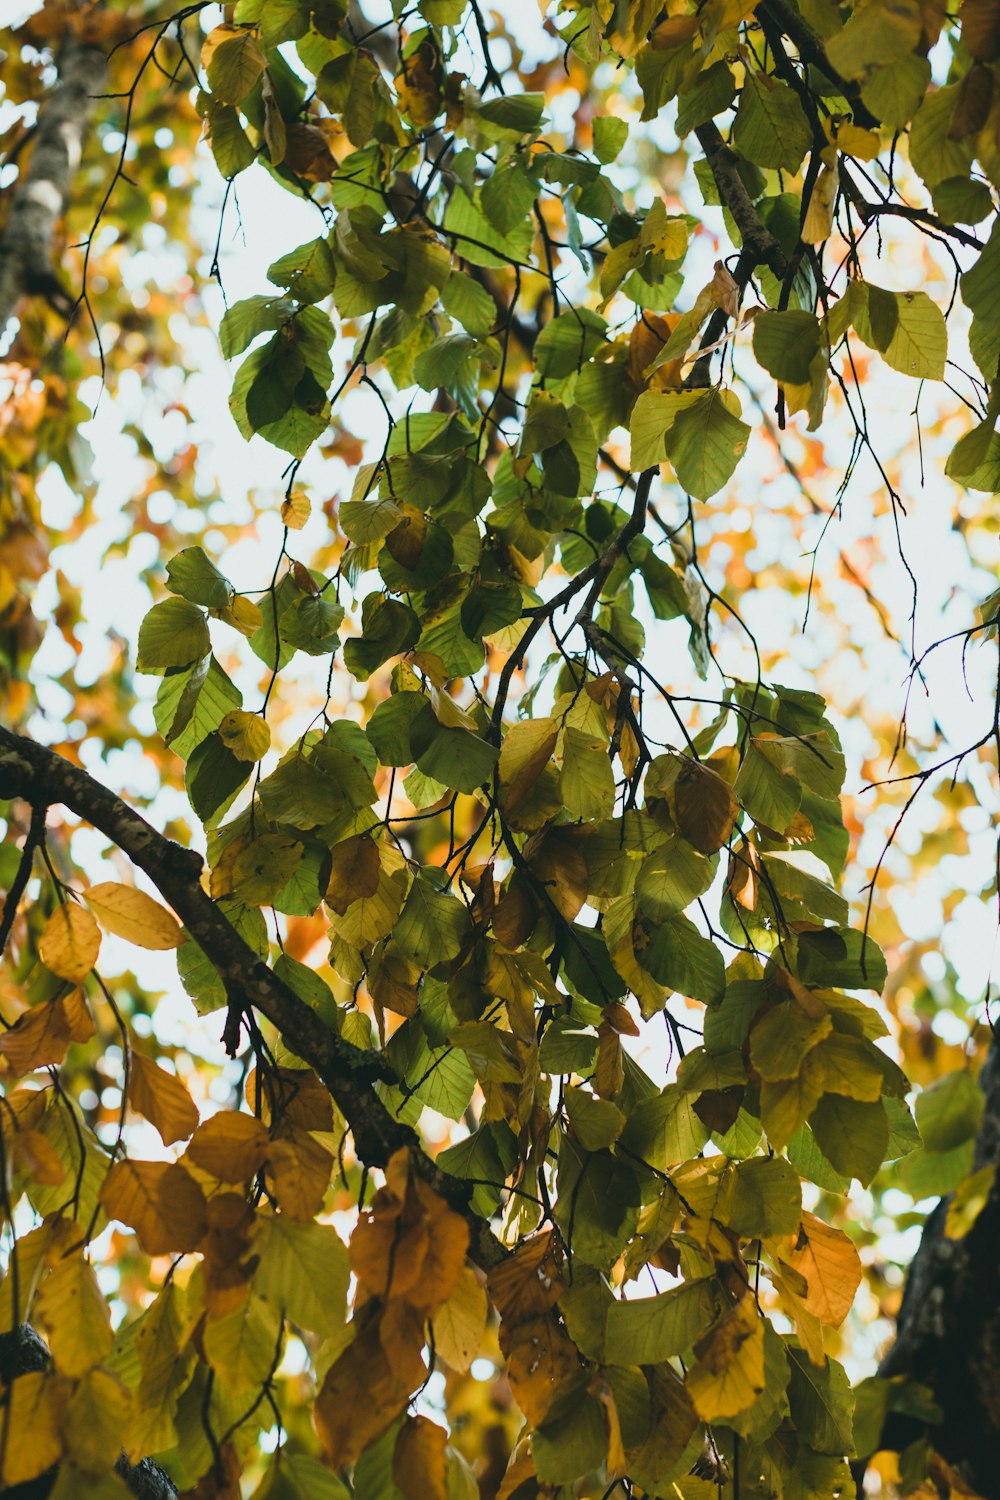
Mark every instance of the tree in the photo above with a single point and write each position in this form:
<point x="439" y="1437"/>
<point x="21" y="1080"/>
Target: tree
<point x="549" y="1040"/>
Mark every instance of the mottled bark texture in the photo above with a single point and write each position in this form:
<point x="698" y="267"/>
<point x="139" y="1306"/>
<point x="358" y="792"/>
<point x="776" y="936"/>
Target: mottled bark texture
<point x="21" y="1352"/>
<point x="40" y="193"/>
<point x="948" y="1329"/>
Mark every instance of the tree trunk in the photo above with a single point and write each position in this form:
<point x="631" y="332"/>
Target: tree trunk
<point x="41" y="192"/>
<point x="948" y="1329"/>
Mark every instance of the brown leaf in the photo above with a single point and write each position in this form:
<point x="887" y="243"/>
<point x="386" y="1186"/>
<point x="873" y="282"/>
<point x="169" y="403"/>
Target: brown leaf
<point x="981" y="29"/>
<point x="299" y="1170"/>
<point x="40" y="1037"/>
<point x="355" y="871"/>
<point x="419" y="1462"/>
<point x="705" y="807"/>
<point x="409" y="1244"/>
<point x="230" y="1146"/>
<point x="307" y="152"/>
<point x="159" y="1200"/>
<point x="162" y="1099"/>
<point x="540" y="1358"/>
<point x="361" y="1396"/>
<point x="530" y="1281"/>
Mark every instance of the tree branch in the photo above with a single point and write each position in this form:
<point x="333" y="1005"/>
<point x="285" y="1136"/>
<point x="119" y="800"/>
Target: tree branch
<point x="948" y="1327"/>
<point x="41" y="193"/>
<point x="40" y="776"/>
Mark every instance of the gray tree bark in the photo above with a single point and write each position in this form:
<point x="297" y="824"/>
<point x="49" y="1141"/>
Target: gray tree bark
<point x="39" y="195"/>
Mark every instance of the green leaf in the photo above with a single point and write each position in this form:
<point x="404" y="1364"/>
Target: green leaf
<point x="876" y="35"/>
<point x="235" y="66"/>
<point x="664" y="1129"/>
<point x="191" y="702"/>
<point x="821" y="1401"/>
<point x="705" y="442"/>
<point x="213" y="777"/>
<point x="173" y="634"/>
<point x="679" y="957"/>
<point x="432" y="925"/>
<point x="302" y="1270"/>
<point x="453" y="756"/>
<point x="894" y="93"/>
<point x="770" y="127"/>
<point x="785" y="344"/>
<point x="229" y="141"/>
<point x="648" y="1330"/>
<point x="595" y="1123"/>
<point x="853" y="1136"/>
<point x="949" y="1111"/>
<point x="587" y="781"/>
<point x="907" y="329"/>
<point x="244" y="321"/>
<point x="463" y="298"/>
<point x="766" y="1198"/>
<point x="712" y="93"/>
<point x="520" y="114"/>
<point x="840" y="956"/>
<point x="195" y="577"/>
<point x="610" y="135"/>
<point x="962" y="200"/>
<point x="933" y="154"/>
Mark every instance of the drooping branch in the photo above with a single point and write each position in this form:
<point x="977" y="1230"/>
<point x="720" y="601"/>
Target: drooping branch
<point x="41" y="193"/>
<point x="39" y="776"/>
<point x="948" y="1328"/>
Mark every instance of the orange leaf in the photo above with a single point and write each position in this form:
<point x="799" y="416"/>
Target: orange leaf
<point x="831" y="1266"/>
<point x="70" y="942"/>
<point x="162" y="1099"/>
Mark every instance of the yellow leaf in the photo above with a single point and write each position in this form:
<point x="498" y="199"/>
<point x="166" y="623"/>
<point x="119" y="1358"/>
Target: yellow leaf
<point x="460" y="1322"/>
<point x="242" y="614"/>
<point x="97" y="1415"/>
<point x="34" y="1428"/>
<point x="248" y="736"/>
<point x="162" y="1099"/>
<point x="131" y="914"/>
<point x="419" y="1462"/>
<point x="831" y="1266"/>
<point x="35" y="1155"/>
<point x="729" y="1374"/>
<point x="70" y="942"/>
<point x="242" y="1348"/>
<point x="968" y="1201"/>
<point x="75" y="1313"/>
<point x="230" y="1146"/>
<point x="295" y="510"/>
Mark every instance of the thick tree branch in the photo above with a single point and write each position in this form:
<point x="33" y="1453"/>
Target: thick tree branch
<point x="758" y="241"/>
<point x="948" y="1328"/>
<point x="41" y="192"/>
<point x="41" y="777"/>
